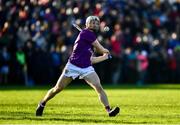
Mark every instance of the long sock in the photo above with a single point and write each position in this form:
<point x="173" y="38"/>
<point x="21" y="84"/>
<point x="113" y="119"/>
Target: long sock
<point x="108" y="109"/>
<point x="43" y="104"/>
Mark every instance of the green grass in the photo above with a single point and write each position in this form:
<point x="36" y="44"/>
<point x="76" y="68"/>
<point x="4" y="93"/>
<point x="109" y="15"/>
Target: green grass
<point x="156" y="104"/>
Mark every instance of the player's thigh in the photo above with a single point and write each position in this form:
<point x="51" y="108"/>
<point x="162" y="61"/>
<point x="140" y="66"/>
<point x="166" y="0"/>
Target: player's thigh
<point x="63" y="81"/>
<point x="93" y="80"/>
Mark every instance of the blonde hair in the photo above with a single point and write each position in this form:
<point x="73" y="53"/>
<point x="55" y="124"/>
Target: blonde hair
<point x="91" y="18"/>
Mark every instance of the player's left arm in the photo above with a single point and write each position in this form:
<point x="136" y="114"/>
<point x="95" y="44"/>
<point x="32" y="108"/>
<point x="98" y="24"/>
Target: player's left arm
<point x="99" y="48"/>
<point x="99" y="59"/>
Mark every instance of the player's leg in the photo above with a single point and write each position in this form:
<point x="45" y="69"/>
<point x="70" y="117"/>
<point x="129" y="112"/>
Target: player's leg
<point x="93" y="80"/>
<point x="62" y="82"/>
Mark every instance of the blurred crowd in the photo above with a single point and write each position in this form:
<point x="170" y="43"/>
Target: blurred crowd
<point x="36" y="39"/>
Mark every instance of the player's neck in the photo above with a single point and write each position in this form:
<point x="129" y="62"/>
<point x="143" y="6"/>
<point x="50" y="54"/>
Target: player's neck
<point x="89" y="29"/>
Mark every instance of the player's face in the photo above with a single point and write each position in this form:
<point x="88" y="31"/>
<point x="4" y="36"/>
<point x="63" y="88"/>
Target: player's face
<point x="94" y="25"/>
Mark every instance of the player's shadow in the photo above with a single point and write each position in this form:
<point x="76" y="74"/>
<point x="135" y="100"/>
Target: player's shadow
<point x="79" y="118"/>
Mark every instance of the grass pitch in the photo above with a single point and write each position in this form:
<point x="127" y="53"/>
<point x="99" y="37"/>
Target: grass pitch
<point x="157" y="104"/>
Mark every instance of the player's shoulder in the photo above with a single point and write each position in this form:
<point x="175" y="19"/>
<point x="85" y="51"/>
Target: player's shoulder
<point x="87" y="32"/>
<point x="87" y="35"/>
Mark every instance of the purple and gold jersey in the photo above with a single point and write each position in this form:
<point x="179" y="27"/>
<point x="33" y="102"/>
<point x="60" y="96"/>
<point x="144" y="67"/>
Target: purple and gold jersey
<point x="83" y="49"/>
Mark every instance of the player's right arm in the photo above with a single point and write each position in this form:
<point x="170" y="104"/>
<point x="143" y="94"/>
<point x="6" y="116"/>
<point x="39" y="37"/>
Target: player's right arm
<point x="99" y="48"/>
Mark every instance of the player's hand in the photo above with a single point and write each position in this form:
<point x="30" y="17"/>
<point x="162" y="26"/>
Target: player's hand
<point x="105" y="55"/>
<point x="106" y="51"/>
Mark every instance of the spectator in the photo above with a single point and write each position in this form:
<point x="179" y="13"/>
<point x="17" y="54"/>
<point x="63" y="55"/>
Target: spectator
<point x="4" y="65"/>
<point x="150" y="25"/>
<point x="142" y="67"/>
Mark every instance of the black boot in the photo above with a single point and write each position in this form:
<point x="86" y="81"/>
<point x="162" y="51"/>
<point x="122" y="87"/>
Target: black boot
<point x="39" y="110"/>
<point x="114" y="112"/>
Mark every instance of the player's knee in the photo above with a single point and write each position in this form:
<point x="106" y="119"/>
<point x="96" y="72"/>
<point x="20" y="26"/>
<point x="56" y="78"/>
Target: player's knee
<point x="59" y="88"/>
<point x="99" y="88"/>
